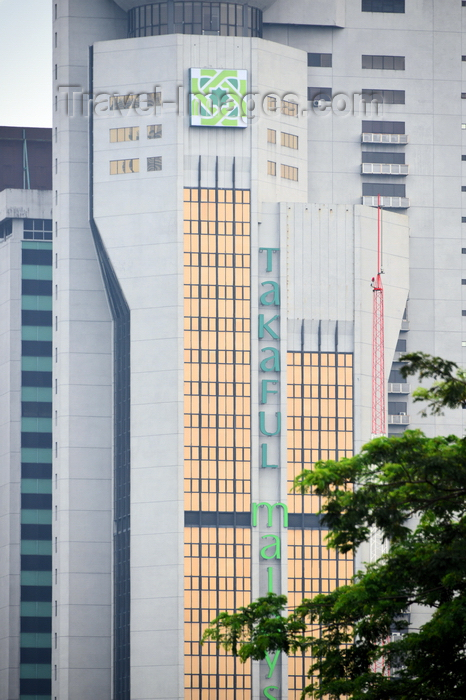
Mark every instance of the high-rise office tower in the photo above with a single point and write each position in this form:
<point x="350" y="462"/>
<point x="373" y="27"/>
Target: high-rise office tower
<point x="25" y="412"/>
<point x="217" y="168"/>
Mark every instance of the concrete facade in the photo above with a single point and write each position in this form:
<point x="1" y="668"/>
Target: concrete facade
<point x="121" y="223"/>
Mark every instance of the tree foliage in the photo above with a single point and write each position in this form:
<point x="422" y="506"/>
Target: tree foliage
<point x="412" y="489"/>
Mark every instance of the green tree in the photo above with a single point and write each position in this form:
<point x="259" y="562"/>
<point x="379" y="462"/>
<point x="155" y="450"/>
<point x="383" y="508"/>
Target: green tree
<point x="412" y="489"/>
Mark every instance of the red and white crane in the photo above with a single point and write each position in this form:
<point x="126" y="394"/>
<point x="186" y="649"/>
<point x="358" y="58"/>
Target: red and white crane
<point x="379" y="419"/>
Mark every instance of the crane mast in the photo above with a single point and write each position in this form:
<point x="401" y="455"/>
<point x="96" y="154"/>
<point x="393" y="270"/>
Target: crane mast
<point x="379" y="420"/>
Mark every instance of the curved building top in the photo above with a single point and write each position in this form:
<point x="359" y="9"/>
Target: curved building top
<point x="132" y="4"/>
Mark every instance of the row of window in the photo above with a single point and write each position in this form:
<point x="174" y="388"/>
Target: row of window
<point x="131" y="165"/>
<point x="288" y="172"/>
<point x="324" y="60"/>
<point x="388" y="97"/>
<point x="288" y="140"/>
<point x="131" y="133"/>
<point x="289" y="109"/>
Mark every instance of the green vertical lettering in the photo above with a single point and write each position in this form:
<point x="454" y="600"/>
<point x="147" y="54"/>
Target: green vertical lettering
<point x="275" y="357"/>
<point x="272" y="663"/>
<point x="270" y="579"/>
<point x="275" y="544"/>
<point x="265" y="390"/>
<point x="262" y="424"/>
<point x="270" y="507"/>
<point x="270" y="252"/>
<point x="264" y="326"/>
<point x="264" y="458"/>
<point x="275" y="292"/>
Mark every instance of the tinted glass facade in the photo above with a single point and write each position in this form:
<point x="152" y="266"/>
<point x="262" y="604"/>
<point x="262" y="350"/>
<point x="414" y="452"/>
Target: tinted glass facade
<point x="215" y="18"/>
<point x="36" y="464"/>
<point x="217" y="429"/>
<point x="320" y="426"/>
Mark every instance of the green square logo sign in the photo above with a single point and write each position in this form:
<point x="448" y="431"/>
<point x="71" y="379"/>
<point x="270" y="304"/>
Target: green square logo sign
<point x="218" y="97"/>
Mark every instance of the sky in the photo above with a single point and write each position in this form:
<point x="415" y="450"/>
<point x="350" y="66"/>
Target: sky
<point x="26" y="63"/>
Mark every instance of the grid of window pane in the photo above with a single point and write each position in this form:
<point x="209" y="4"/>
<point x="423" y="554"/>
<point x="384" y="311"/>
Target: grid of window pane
<point x="320" y="415"/>
<point x="217" y="579"/>
<point x="36" y="462"/>
<point x="375" y="127"/>
<point x="217" y="350"/>
<point x="217" y="18"/>
<point x="154" y="163"/>
<point x="37" y="229"/>
<point x="217" y="428"/>
<point x="154" y="131"/>
<point x="129" y="133"/>
<point x="320" y="426"/>
<point x="384" y="62"/>
<point x="289" y="140"/>
<point x="271" y="167"/>
<point x="289" y="109"/>
<point x="388" y="97"/>
<point x="319" y="60"/>
<point x="271" y="136"/>
<point x="145" y="100"/>
<point x="383" y="5"/>
<point x="289" y="172"/>
<point x="121" y="167"/>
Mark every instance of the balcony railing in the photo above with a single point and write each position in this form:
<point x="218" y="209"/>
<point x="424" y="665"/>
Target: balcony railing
<point x="398" y="419"/>
<point x="397" y="388"/>
<point x="387" y="202"/>
<point x="385" y="138"/>
<point x="384" y="169"/>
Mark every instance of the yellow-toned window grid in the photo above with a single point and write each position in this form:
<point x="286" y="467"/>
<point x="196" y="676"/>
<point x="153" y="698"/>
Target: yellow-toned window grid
<point x="312" y="569"/>
<point x="320" y="426"/>
<point x="217" y="429"/>
<point x="217" y="350"/>
<point x="320" y="415"/>
<point x="217" y="578"/>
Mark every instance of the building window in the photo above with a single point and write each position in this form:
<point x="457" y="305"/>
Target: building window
<point x="382" y="157"/>
<point x="463" y="95"/>
<point x="289" y="173"/>
<point x="384" y="62"/>
<point x="463" y="157"/>
<point x="147" y="99"/>
<point x="208" y="18"/>
<point x="271" y="136"/>
<point x="38" y="229"/>
<point x="129" y="133"/>
<point x="6" y="228"/>
<point x="289" y="140"/>
<point x="388" y="97"/>
<point x="372" y="189"/>
<point x="119" y="167"/>
<point x="319" y="93"/>
<point x="463" y="313"/>
<point x="319" y="60"/>
<point x="463" y="281"/>
<point x="154" y="131"/>
<point x="463" y="251"/>
<point x="271" y="168"/>
<point x="463" y="219"/>
<point x="154" y="163"/>
<point x="289" y="109"/>
<point x="271" y="104"/>
<point x="383" y="6"/>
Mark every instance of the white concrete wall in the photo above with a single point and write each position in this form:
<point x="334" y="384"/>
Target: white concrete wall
<point x="140" y="219"/>
<point x="429" y="35"/>
<point x="83" y="377"/>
